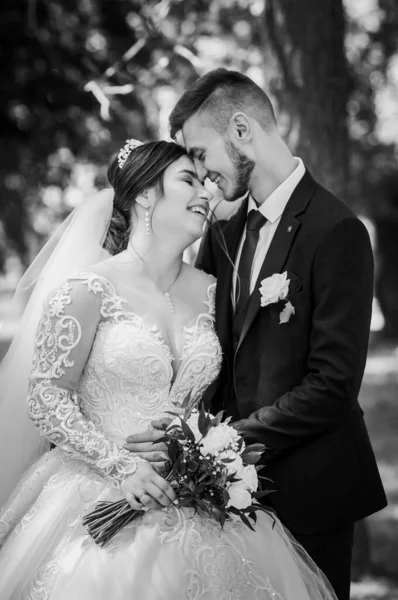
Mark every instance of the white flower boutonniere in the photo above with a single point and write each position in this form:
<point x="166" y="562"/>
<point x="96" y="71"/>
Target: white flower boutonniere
<point x="275" y="289"/>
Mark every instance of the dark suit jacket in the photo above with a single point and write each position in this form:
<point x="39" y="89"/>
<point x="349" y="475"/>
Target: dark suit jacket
<point x="294" y="386"/>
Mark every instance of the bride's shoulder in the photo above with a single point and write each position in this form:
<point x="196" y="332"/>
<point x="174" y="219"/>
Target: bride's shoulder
<point x="89" y="286"/>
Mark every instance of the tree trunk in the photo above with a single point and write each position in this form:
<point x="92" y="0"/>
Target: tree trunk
<point x="307" y="39"/>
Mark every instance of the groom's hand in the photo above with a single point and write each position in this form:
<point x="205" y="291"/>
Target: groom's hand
<point x="146" y="446"/>
<point x="161" y="424"/>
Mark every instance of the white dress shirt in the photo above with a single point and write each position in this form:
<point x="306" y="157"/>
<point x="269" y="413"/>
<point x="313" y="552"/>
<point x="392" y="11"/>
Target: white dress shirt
<point x="272" y="209"/>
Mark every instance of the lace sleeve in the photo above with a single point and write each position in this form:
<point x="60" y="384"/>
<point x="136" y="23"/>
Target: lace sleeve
<point x="63" y="342"/>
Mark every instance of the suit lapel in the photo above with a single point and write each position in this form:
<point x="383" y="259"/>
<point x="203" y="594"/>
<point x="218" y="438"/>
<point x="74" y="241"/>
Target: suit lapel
<point x="278" y="251"/>
<point x="229" y="243"/>
<point x="273" y="263"/>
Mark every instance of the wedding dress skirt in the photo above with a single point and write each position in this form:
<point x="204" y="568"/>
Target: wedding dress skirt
<point x="165" y="555"/>
<point x="93" y="384"/>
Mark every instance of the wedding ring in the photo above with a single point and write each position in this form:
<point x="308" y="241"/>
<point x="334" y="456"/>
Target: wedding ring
<point x="141" y="496"/>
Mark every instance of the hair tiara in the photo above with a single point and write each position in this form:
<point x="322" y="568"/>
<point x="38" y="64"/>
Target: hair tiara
<point x="126" y="150"/>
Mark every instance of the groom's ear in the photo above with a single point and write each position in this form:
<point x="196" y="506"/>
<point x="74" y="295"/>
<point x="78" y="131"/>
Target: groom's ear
<point x="240" y="128"/>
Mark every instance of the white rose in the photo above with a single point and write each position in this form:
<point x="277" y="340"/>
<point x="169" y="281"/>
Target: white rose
<point x="248" y="475"/>
<point x="236" y="465"/>
<point x="274" y="288"/>
<point x="218" y="439"/>
<point x="238" y="495"/>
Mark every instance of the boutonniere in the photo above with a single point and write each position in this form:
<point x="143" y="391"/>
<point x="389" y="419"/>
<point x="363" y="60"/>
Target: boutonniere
<point x="275" y="289"/>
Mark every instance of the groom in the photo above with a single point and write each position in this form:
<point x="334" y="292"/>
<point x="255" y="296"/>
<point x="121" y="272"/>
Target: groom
<point x="294" y="345"/>
<point x="294" y="295"/>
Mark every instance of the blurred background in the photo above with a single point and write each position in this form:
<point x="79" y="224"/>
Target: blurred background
<point x="80" y="77"/>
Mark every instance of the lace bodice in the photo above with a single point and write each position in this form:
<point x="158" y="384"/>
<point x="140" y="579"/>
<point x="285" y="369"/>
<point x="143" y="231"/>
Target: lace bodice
<point x="102" y="373"/>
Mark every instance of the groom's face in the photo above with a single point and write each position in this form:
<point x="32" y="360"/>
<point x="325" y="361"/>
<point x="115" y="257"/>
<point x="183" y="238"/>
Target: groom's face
<point x="217" y="158"/>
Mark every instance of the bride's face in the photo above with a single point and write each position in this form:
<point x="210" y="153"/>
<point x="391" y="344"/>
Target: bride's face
<point x="184" y="205"/>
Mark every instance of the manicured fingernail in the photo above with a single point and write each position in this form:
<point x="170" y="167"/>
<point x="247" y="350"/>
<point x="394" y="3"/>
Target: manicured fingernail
<point x="176" y="502"/>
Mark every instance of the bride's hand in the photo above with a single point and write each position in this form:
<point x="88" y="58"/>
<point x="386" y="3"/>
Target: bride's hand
<point x="145" y="488"/>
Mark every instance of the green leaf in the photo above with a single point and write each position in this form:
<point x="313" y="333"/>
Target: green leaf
<point x="218" y="418"/>
<point x="250" y="458"/>
<point x="234" y="510"/>
<point x="174" y="450"/>
<point x="222" y="518"/>
<point x="262" y="494"/>
<point x="187" y="400"/>
<point x="265" y="478"/>
<point x="253" y="516"/>
<point x="231" y="478"/>
<point x="187" y="431"/>
<point x="216" y="513"/>
<point x="164" y="440"/>
<point x="255" y="448"/>
<point x="205" y="423"/>
<point x="202" y="419"/>
<point x="246" y="521"/>
<point x="257" y="507"/>
<point x="192" y="465"/>
<point x="187" y="502"/>
<point x="240" y="443"/>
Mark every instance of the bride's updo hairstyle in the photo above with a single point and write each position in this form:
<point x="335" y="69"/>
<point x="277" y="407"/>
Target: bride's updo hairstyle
<point x="143" y="168"/>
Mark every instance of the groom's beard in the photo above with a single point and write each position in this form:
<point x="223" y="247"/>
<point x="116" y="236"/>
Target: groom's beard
<point x="244" y="167"/>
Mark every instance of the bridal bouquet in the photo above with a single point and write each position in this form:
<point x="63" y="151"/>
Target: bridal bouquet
<point x="212" y="471"/>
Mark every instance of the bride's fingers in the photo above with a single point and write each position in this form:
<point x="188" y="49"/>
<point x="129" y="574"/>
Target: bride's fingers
<point x="133" y="501"/>
<point x="147" y="501"/>
<point x="157" y="494"/>
<point x="166" y="488"/>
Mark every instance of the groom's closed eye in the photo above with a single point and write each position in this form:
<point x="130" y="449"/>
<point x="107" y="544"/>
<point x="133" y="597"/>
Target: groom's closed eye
<point x="192" y="174"/>
<point x="196" y="153"/>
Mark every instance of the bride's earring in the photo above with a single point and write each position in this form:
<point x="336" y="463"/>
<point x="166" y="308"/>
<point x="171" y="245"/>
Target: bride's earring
<point x="147" y="224"/>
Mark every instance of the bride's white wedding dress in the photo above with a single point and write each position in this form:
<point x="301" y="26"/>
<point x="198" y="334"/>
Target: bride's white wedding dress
<point x="126" y="382"/>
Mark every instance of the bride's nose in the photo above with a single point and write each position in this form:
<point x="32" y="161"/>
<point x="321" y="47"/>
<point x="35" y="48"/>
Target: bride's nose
<point x="206" y="195"/>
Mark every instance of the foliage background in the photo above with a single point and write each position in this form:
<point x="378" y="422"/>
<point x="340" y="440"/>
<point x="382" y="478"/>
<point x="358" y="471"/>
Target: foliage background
<point x="80" y="77"/>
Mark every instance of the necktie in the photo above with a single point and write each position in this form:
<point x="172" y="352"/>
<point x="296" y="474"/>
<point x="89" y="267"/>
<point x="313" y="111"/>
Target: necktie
<point x="255" y="220"/>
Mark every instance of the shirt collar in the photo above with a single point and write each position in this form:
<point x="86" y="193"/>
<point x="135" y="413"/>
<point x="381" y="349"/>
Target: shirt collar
<point x="273" y="207"/>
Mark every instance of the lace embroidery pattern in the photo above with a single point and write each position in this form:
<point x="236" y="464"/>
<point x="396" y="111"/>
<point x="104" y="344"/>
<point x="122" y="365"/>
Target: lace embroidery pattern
<point x="127" y="381"/>
<point x="218" y="566"/>
<point x="43" y="582"/>
<point x="53" y="409"/>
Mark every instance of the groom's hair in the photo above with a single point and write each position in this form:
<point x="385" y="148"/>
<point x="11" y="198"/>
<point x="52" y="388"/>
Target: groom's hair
<point x="220" y="93"/>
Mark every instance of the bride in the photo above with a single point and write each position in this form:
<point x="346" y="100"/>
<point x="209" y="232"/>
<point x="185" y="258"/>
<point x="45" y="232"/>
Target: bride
<point x="117" y="344"/>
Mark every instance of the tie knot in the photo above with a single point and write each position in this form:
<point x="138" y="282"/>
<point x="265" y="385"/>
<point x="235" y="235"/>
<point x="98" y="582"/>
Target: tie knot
<point x="255" y="220"/>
